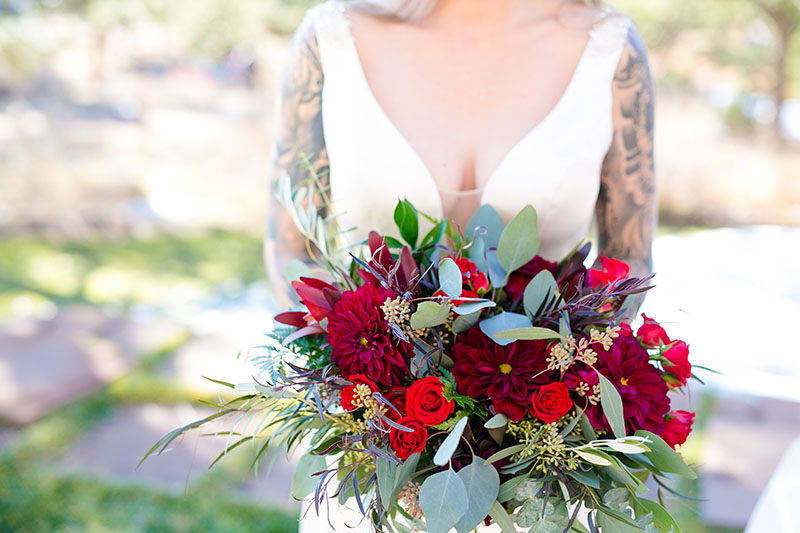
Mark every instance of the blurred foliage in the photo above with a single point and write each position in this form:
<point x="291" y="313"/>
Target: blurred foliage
<point x="35" y="271"/>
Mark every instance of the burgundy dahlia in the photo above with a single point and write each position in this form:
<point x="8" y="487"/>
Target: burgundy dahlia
<point x="640" y="385"/>
<point x="507" y="375"/>
<point x="519" y="279"/>
<point x="360" y="339"/>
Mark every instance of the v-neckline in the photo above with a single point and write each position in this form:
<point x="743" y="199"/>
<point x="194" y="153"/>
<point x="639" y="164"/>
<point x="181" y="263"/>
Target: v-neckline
<point x="415" y="154"/>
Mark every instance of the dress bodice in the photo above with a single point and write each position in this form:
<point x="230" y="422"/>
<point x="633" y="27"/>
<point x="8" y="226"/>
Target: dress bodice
<point x="555" y="167"/>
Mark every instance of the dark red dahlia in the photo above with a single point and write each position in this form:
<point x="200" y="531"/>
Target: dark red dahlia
<point x="505" y="374"/>
<point x="360" y="339"/>
<point x="519" y="279"/>
<point x="643" y="390"/>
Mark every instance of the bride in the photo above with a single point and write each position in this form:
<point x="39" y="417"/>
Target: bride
<point x="453" y="104"/>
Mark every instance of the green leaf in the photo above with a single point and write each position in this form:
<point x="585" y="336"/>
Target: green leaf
<point x="483" y="484"/>
<point x="588" y="478"/>
<point x="468" y="308"/>
<point x="497" y="421"/>
<point x="443" y="499"/>
<point x="501" y="518"/>
<point x="509" y="488"/>
<point x="464" y="322"/>
<point x="297" y="269"/>
<point x="391" y="242"/>
<point x="664" y="457"/>
<point x="503" y="322"/>
<point x="490" y="219"/>
<point x="429" y="314"/>
<point x="546" y="526"/>
<point x="386" y="472"/>
<point x="617" y="498"/>
<point x="506" y="452"/>
<point x="528" y="334"/>
<point x="407" y="220"/>
<point x="449" y="444"/>
<point x="434" y="235"/>
<point x="519" y="241"/>
<point x="661" y="517"/>
<point x="303" y="483"/>
<point x="595" y="457"/>
<point x="450" y="277"/>
<point x="609" y="523"/>
<point x="477" y="254"/>
<point x="497" y="274"/>
<point x="541" y="294"/>
<point x="612" y="406"/>
<point x="404" y="473"/>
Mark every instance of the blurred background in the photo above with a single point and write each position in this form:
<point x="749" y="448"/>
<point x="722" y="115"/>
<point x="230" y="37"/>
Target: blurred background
<point x="134" y="166"/>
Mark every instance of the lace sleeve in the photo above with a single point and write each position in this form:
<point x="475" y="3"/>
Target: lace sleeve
<point x="297" y="135"/>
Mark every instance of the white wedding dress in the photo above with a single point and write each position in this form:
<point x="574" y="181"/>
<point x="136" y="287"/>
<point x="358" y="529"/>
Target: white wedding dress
<point x="555" y="167"/>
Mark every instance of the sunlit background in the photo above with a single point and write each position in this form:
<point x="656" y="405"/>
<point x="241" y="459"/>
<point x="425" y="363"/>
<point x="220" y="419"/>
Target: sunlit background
<point x="134" y="151"/>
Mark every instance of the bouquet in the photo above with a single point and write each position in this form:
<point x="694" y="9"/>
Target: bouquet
<point x="459" y="379"/>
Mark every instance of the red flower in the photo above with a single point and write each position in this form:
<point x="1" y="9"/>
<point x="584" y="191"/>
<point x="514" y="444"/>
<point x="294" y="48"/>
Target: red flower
<point x="678" y="425"/>
<point x="398" y="399"/>
<point x="426" y="403"/>
<point x="678" y="355"/>
<point x="470" y="275"/>
<point x="319" y="297"/>
<point x="519" y="279"/>
<point x="551" y="402"/>
<point x="360" y="340"/>
<point x="625" y="329"/>
<point x="349" y="393"/>
<point x="505" y="374"/>
<point x="612" y="270"/>
<point x="640" y="385"/>
<point x="651" y="333"/>
<point x="406" y="443"/>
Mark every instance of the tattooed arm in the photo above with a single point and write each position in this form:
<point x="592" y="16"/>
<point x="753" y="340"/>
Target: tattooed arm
<point x="298" y="133"/>
<point x="627" y="205"/>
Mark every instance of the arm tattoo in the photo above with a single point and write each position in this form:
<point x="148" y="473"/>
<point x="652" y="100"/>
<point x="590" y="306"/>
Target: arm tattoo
<point x="627" y="204"/>
<point x="298" y="132"/>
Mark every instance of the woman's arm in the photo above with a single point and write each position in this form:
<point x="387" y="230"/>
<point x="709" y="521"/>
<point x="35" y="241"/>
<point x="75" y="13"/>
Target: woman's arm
<point x="627" y="207"/>
<point x="298" y="134"/>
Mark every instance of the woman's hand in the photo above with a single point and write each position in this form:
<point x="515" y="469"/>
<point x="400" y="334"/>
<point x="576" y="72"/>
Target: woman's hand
<point x="627" y="207"/>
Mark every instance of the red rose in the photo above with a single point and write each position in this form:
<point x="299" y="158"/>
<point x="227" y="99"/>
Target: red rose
<point x="551" y="402"/>
<point x="678" y="355"/>
<point x="651" y="333"/>
<point x="398" y="400"/>
<point x="625" y="329"/>
<point x="611" y="270"/>
<point x="349" y="392"/>
<point x="519" y="279"/>
<point x="405" y="443"/>
<point x="425" y="401"/>
<point x="470" y="275"/>
<point x="678" y="425"/>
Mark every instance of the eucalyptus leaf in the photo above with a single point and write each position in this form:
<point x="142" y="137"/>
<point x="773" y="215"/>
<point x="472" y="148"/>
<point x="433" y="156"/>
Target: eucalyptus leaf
<point x="529" y="334"/>
<point x="443" y="499"/>
<point x="617" y="498"/>
<point x="429" y="314"/>
<point x="503" y="322"/>
<point x="662" y="520"/>
<point x="563" y="325"/>
<point x="546" y="526"/>
<point x="483" y="485"/>
<point x="497" y="274"/>
<point x="303" y="483"/>
<point x="477" y="254"/>
<point x="468" y="308"/>
<point x="612" y="406"/>
<point x="407" y="220"/>
<point x="509" y="488"/>
<point x="405" y="471"/>
<point x="519" y="242"/>
<point x="450" y="279"/>
<point x="664" y="457"/>
<point x="450" y="443"/>
<point x="386" y="472"/>
<point x="595" y="457"/>
<point x="464" y="322"/>
<point x="541" y="294"/>
<point x="609" y="523"/>
<point x="497" y="421"/>
<point x="491" y="220"/>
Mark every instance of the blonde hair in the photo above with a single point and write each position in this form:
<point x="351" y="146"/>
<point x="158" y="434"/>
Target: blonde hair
<point x="416" y="9"/>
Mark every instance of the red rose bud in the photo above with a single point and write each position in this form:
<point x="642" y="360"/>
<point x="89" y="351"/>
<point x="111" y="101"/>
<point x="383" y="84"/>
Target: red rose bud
<point x="470" y="274"/>
<point x="551" y="402"/>
<point x="625" y="329"/>
<point x="425" y="401"/>
<point x="678" y="356"/>
<point x="352" y="395"/>
<point x="406" y="443"/>
<point x="611" y="270"/>
<point x="651" y="333"/>
<point x="519" y="279"/>
<point x="678" y="425"/>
